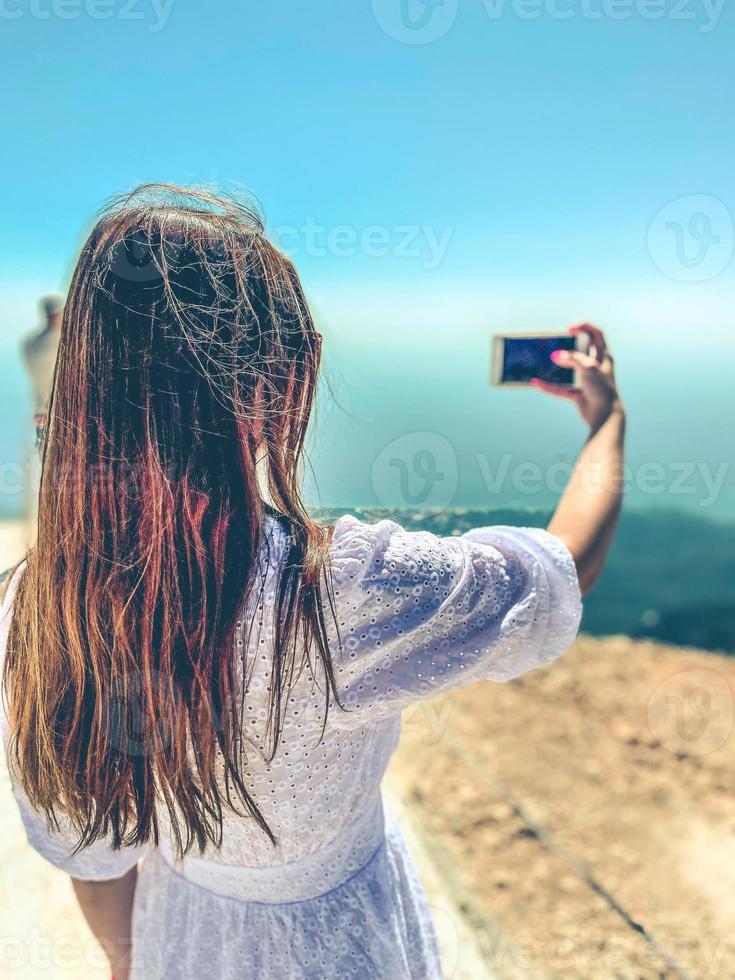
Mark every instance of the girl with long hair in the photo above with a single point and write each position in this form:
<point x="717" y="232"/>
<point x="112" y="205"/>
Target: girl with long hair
<point x="202" y="685"/>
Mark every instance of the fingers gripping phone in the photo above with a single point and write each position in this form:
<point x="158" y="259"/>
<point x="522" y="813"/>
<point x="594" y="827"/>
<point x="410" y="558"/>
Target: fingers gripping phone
<point x="518" y="359"/>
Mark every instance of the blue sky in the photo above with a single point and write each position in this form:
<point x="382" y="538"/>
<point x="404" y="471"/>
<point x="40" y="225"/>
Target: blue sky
<point x="535" y="163"/>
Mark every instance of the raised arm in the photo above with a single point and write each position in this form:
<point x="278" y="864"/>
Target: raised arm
<point x="589" y="509"/>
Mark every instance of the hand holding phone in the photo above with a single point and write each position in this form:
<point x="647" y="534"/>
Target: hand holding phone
<point x="581" y="369"/>
<point x="521" y="359"/>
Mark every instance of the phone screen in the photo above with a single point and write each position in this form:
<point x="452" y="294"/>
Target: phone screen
<point x="525" y="358"/>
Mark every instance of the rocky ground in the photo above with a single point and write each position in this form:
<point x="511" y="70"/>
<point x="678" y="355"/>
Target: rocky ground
<point x="584" y="816"/>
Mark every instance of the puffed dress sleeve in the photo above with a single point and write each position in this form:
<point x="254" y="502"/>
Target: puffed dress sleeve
<point x="419" y="615"/>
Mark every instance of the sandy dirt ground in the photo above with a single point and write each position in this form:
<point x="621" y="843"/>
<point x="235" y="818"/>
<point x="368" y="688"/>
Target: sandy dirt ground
<point x="586" y="813"/>
<point x="578" y="823"/>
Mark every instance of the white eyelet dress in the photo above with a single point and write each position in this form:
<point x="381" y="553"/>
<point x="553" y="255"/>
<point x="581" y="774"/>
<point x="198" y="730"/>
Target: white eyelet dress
<point x="338" y="896"/>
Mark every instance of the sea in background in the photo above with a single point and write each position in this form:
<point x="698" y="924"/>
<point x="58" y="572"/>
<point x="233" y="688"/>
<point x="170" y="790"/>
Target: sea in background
<point x="429" y="443"/>
<point x="491" y="448"/>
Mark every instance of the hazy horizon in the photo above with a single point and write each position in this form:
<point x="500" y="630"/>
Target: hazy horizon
<point x="393" y="396"/>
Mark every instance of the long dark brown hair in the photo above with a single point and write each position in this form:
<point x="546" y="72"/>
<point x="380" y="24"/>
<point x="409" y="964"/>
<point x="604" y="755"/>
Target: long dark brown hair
<point x="187" y="351"/>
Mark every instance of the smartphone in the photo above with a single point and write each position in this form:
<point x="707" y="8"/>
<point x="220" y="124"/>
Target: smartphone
<point x="519" y="358"/>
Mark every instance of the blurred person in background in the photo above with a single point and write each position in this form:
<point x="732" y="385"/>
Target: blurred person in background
<point x="39" y="352"/>
<point x="39" y="355"/>
<point x="203" y="685"/>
